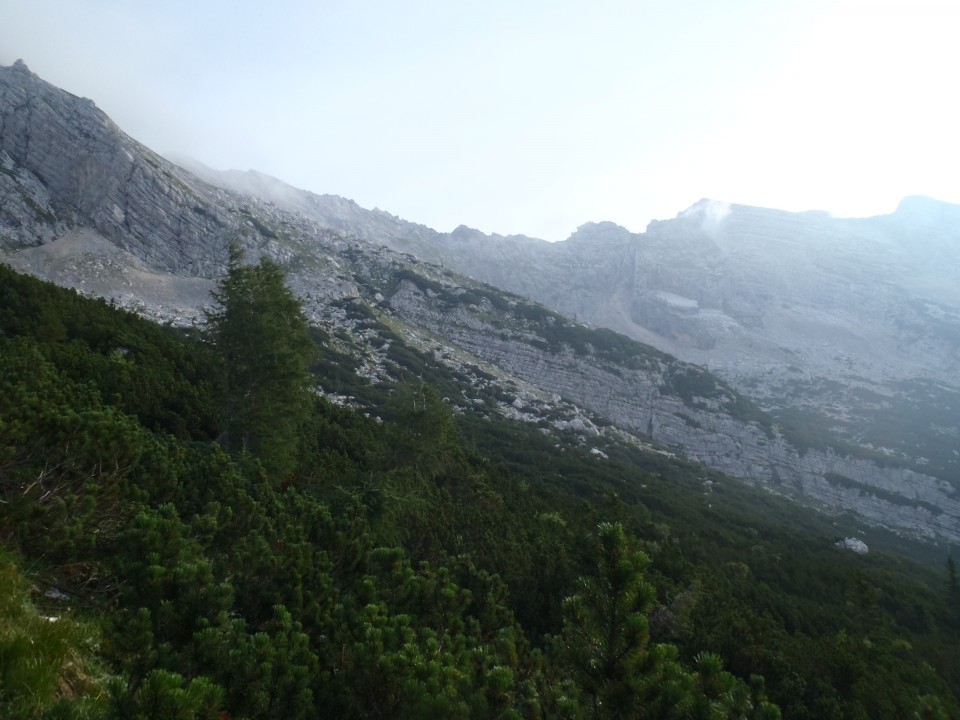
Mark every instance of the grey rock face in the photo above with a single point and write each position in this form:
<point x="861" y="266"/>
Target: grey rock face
<point x="92" y="173"/>
<point x="27" y="216"/>
<point x="328" y="211"/>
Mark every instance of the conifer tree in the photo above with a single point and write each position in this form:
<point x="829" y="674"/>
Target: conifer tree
<point x="260" y="331"/>
<point x="605" y="634"/>
<point x="606" y="647"/>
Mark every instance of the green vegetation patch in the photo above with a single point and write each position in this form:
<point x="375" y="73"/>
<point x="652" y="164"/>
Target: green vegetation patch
<point x="428" y="564"/>
<point x="889" y="496"/>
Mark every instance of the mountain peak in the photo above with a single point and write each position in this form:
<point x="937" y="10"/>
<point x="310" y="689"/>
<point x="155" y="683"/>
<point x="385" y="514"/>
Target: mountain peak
<point x="708" y="208"/>
<point x="929" y="217"/>
<point x="465" y="232"/>
<point x="924" y="206"/>
<point x="600" y="232"/>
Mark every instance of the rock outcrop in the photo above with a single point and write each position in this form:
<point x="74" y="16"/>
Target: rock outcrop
<point x="72" y="165"/>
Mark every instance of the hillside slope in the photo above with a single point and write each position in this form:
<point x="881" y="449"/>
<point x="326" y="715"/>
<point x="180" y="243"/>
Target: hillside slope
<point x="843" y="327"/>
<point x="90" y="208"/>
<point x="432" y="560"/>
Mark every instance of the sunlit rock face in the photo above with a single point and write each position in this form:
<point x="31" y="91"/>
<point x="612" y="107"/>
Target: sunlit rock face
<point x="854" y="321"/>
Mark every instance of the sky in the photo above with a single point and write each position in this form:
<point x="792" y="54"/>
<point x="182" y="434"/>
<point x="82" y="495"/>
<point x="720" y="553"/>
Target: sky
<point x="526" y="116"/>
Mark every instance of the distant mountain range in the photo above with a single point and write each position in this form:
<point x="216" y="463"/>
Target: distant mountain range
<point x="846" y="332"/>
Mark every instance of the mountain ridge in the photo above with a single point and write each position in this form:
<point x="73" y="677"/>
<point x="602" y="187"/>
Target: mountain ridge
<point x="124" y="223"/>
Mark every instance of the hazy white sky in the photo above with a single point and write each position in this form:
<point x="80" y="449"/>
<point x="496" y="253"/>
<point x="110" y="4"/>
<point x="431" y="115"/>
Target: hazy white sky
<point x="531" y="116"/>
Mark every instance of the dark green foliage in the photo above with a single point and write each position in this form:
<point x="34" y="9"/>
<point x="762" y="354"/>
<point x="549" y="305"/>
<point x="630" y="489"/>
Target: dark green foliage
<point x="617" y="673"/>
<point x="257" y="223"/>
<point x="64" y="457"/>
<point x="260" y="333"/>
<point x="605" y="638"/>
<point x="423" y="283"/>
<point x="166" y="694"/>
<point x="690" y="382"/>
<point x="887" y="495"/>
<point x="142" y="369"/>
<point x="414" y="568"/>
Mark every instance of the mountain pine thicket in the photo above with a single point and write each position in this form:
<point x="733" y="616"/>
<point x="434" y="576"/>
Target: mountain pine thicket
<point x="169" y="551"/>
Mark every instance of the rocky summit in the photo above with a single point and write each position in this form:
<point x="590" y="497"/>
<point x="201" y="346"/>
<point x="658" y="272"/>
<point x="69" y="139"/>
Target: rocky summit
<point x="837" y="340"/>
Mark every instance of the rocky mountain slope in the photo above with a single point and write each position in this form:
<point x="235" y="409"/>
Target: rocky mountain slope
<point x="799" y="310"/>
<point x="83" y="204"/>
<point x="841" y="327"/>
